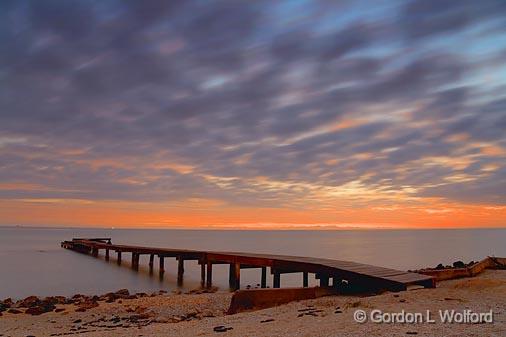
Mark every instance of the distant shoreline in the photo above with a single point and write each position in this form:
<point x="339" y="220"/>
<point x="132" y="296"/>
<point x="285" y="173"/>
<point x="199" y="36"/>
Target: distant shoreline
<point x="295" y="229"/>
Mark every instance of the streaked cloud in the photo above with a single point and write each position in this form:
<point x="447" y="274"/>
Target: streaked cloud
<point x="261" y="109"/>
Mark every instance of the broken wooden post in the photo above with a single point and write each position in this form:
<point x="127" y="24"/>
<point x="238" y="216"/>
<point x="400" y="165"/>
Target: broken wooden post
<point x="161" y="269"/>
<point x="107" y="254"/>
<point x="305" y="279"/>
<point x="276" y="283"/>
<point x="209" y="274"/>
<point x="263" y="280"/>
<point x="151" y="262"/>
<point x="180" y="270"/>
<point x="118" y="260"/>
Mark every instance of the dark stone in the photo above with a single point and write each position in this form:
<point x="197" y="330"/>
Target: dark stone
<point x="88" y="304"/>
<point x="35" y="311"/>
<point x="40" y="309"/>
<point x="14" y="311"/>
<point x="267" y="320"/>
<point x="77" y="321"/>
<point x="221" y="328"/>
<point x="7" y="302"/>
<point x="55" y="300"/>
<point x="30" y="301"/>
<point x="459" y="264"/>
<point x="59" y="309"/>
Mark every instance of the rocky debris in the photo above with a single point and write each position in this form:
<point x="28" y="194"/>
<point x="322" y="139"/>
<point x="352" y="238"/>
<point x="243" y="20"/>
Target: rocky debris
<point x="29" y="302"/>
<point x="57" y="300"/>
<point x="118" y="295"/>
<point x="267" y="320"/>
<point x="453" y="299"/>
<point x="455" y="265"/>
<point x="5" y="304"/>
<point x="221" y="328"/>
<point x="310" y="311"/>
<point x="459" y="264"/>
<point x="43" y="307"/>
<point x="138" y="309"/>
<point x="14" y="311"/>
<point x="202" y="291"/>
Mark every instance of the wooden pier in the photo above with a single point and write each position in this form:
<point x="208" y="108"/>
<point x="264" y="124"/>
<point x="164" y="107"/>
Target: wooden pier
<point x="365" y="276"/>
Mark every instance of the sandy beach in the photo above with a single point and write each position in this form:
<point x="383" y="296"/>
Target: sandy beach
<point x="203" y="314"/>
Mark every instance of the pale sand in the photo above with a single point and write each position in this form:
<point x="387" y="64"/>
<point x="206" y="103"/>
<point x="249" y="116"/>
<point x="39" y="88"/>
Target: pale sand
<point x="480" y="294"/>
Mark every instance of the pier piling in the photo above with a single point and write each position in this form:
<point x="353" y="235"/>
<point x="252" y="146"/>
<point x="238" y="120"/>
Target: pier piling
<point x="161" y="268"/>
<point x="180" y="270"/>
<point x="367" y="276"/>
<point x="209" y="282"/>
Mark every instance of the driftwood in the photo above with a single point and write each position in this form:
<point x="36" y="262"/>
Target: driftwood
<point x="470" y="271"/>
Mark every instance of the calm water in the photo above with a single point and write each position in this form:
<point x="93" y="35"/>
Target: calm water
<point x="32" y="262"/>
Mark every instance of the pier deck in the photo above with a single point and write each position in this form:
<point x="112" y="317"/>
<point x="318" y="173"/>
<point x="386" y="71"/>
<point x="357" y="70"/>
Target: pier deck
<point x="365" y="276"/>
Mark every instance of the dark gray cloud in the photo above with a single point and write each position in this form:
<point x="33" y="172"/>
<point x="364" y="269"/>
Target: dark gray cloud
<point x="427" y="18"/>
<point x="247" y="90"/>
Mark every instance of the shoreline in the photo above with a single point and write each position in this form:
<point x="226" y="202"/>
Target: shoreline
<point x="201" y="313"/>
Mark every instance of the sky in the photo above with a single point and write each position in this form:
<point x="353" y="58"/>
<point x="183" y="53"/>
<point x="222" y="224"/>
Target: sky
<point x="253" y="114"/>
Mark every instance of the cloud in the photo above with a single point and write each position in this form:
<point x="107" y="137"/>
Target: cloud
<point x="267" y="105"/>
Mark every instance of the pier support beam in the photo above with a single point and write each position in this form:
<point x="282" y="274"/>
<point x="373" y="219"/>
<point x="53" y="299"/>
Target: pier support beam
<point x="305" y="279"/>
<point x="107" y="254"/>
<point x="263" y="280"/>
<point x="161" y="269"/>
<point x="180" y="270"/>
<point x="324" y="281"/>
<point x="234" y="276"/>
<point x="231" y="276"/>
<point x="209" y="282"/>
<point x="135" y="261"/>
<point x="202" y="273"/>
<point x="118" y="260"/>
<point x="276" y="282"/>
<point x="94" y="252"/>
<point x="151" y="262"/>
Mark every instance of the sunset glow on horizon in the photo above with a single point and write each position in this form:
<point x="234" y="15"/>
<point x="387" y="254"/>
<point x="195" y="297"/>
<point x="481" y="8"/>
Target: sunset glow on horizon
<point x="253" y="115"/>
